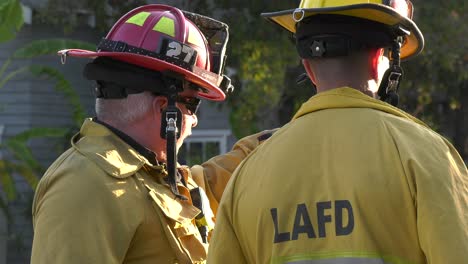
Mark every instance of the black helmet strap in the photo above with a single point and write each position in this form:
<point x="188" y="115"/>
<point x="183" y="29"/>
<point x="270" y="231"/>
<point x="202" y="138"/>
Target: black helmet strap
<point x="327" y="36"/>
<point x="171" y="124"/>
<point x="388" y="89"/>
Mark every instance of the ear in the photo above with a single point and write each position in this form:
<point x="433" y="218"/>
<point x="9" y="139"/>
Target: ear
<point x="159" y="103"/>
<point x="309" y="71"/>
<point x="375" y="56"/>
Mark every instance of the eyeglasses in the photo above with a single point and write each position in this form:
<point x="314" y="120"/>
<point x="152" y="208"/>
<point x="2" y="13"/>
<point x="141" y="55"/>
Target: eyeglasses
<point x="191" y="103"/>
<point x="403" y="7"/>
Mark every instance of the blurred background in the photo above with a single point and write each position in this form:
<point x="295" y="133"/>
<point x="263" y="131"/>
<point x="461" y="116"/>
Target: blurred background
<point x="43" y="103"/>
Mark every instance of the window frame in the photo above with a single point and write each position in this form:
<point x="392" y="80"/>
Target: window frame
<point x="205" y="136"/>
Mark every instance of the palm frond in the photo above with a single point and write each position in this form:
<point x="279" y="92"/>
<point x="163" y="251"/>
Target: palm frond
<point x="6" y="180"/>
<point x="50" y="47"/>
<point x="63" y="86"/>
<point x="27" y="173"/>
<point x="39" y="132"/>
<point x="4" y="66"/>
<point x="23" y="153"/>
<point x="12" y="74"/>
<point x="4" y="208"/>
<point x="17" y="145"/>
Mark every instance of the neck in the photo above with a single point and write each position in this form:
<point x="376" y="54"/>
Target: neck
<point x="145" y="133"/>
<point x="368" y="87"/>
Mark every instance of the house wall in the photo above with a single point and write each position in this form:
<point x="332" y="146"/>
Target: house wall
<point x="3" y="238"/>
<point x="26" y="102"/>
<point x="3" y="222"/>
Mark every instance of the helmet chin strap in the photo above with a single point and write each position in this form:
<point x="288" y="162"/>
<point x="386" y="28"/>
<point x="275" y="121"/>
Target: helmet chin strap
<point x="171" y="123"/>
<point x="388" y="89"/>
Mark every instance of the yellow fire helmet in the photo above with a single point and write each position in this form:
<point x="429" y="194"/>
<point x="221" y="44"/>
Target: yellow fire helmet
<point x="387" y="12"/>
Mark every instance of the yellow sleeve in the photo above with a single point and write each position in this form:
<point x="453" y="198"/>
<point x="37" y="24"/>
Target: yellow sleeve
<point x="78" y="220"/>
<point x="214" y="174"/>
<point x="224" y="245"/>
<point x="442" y="204"/>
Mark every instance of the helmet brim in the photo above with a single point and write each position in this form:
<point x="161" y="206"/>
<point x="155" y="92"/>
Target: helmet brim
<point x="210" y="91"/>
<point x="413" y="45"/>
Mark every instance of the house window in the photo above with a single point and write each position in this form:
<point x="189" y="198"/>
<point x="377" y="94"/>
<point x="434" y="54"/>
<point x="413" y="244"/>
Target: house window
<point x="202" y="145"/>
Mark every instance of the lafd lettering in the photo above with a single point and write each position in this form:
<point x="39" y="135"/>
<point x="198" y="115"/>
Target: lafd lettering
<point x="302" y="225"/>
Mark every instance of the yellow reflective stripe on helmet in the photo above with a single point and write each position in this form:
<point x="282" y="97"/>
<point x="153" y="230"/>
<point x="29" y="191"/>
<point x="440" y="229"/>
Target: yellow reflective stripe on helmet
<point x="138" y="19"/>
<point x="334" y="3"/>
<point x="194" y="37"/>
<point x="165" y="25"/>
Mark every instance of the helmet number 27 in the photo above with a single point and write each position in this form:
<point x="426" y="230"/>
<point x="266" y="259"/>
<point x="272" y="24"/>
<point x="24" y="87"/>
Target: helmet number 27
<point x="176" y="49"/>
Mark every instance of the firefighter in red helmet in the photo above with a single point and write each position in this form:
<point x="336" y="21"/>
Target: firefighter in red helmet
<point x="351" y="178"/>
<point x="118" y="194"/>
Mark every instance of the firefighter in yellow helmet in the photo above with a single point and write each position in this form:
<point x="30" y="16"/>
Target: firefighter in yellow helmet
<point x="351" y="178"/>
<point x="118" y="195"/>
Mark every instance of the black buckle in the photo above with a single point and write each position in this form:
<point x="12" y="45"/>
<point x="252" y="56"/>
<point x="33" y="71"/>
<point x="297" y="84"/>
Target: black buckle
<point x="226" y="85"/>
<point x="119" y="46"/>
<point x="317" y="48"/>
<point x="325" y="46"/>
<point x="393" y="81"/>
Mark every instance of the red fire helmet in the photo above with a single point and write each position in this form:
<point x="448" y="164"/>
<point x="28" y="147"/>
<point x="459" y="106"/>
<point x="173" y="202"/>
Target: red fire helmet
<point x="162" y="38"/>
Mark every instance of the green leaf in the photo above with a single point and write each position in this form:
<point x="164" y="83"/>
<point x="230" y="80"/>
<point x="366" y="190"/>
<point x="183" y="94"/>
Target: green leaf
<point x="6" y="34"/>
<point x="50" y="47"/>
<point x="63" y="86"/>
<point x="4" y="208"/>
<point x="4" y="67"/>
<point x="6" y="180"/>
<point x="28" y="174"/>
<point x="11" y="19"/>
<point x="17" y="145"/>
<point x="23" y="153"/>
<point x="39" y="132"/>
<point x="12" y="74"/>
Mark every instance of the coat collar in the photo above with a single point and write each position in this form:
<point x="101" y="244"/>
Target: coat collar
<point x="109" y="151"/>
<point x="346" y="97"/>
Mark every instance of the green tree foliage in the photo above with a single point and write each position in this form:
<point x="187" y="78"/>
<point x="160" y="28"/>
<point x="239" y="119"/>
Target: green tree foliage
<point x="260" y="55"/>
<point x="11" y="19"/>
<point x="435" y="87"/>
